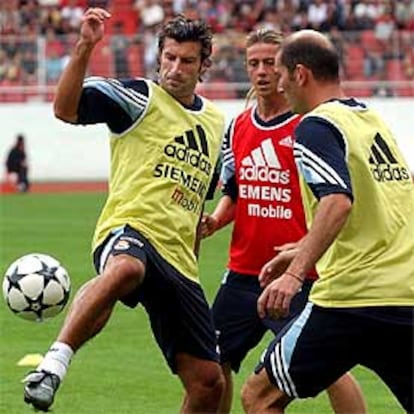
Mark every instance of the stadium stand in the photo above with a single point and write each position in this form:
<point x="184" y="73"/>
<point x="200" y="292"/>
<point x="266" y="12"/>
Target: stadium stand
<point x="375" y="39"/>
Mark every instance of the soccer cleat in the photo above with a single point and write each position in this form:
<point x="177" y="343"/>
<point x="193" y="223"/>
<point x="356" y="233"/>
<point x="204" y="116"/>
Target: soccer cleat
<point x="40" y="389"/>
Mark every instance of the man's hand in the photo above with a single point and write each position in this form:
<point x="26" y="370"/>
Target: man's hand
<point x="276" y="266"/>
<point x="275" y="299"/>
<point x="92" y="29"/>
<point x="209" y="225"/>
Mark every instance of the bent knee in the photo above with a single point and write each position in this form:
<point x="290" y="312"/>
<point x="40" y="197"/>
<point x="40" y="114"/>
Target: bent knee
<point x="125" y="273"/>
<point x="258" y="395"/>
<point x="208" y="387"/>
<point x="248" y="395"/>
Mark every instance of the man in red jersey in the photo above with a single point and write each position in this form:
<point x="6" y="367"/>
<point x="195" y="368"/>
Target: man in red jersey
<point x="261" y="195"/>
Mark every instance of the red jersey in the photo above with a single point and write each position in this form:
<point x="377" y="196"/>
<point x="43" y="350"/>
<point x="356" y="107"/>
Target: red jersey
<point x="258" y="163"/>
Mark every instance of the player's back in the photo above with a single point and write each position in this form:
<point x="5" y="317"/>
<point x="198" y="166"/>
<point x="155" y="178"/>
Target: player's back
<point x="371" y="262"/>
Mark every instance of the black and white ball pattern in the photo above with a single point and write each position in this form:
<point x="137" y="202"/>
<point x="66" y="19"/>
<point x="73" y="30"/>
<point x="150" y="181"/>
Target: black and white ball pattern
<point x="36" y="287"/>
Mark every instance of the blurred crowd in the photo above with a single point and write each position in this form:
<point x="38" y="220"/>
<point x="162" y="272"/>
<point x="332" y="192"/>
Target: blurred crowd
<point x="375" y="38"/>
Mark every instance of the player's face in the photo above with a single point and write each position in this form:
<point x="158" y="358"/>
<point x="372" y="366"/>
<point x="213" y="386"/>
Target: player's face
<point x="180" y="69"/>
<point x="288" y="85"/>
<point x="260" y="62"/>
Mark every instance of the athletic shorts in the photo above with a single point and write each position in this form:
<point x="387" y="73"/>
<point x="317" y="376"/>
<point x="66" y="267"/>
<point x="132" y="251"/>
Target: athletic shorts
<point x="238" y="325"/>
<point x="177" y="307"/>
<point x="322" y="344"/>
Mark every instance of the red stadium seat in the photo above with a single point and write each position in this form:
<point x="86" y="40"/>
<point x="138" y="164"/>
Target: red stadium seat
<point x="101" y="63"/>
<point x="395" y="70"/>
<point x="405" y="91"/>
<point x="370" y="42"/>
<point x="135" y="60"/>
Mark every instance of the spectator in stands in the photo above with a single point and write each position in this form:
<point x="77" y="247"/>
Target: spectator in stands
<point x="408" y="63"/>
<point x="385" y="25"/>
<point x="54" y="54"/>
<point x="50" y="19"/>
<point x="119" y="47"/>
<point x="404" y="13"/>
<point x="37" y="17"/>
<point x="10" y="19"/>
<point x="29" y="13"/>
<point x="16" y="166"/>
<point x="151" y="15"/>
<point x="334" y="17"/>
<point x="246" y="16"/>
<point x="317" y="13"/>
<point x="3" y="64"/>
<point x="335" y="36"/>
<point x="151" y="12"/>
<point x="373" y="63"/>
<point x="300" y="21"/>
<point x="73" y="13"/>
<point x="271" y="20"/>
<point x="366" y="12"/>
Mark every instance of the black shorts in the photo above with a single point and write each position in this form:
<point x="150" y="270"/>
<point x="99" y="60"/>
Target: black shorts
<point x="178" y="310"/>
<point x="324" y="343"/>
<point x="237" y="322"/>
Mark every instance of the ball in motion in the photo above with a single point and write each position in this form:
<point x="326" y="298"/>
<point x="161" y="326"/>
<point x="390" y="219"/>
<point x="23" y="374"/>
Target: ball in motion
<point x="36" y="287"/>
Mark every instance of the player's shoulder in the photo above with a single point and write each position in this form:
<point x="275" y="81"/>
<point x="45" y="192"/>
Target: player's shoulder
<point x="330" y="115"/>
<point x="337" y="107"/>
<point x="138" y="87"/>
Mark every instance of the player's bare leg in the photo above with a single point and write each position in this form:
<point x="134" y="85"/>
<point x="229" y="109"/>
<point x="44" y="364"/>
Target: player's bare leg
<point x="88" y="314"/>
<point x="203" y="383"/>
<point x="346" y="396"/>
<point x="260" y="396"/>
<point x="121" y="276"/>
<point x="227" y="396"/>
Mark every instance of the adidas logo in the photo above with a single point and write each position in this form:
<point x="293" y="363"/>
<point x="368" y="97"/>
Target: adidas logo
<point x="384" y="165"/>
<point x="263" y="165"/>
<point x="192" y="148"/>
<point x="287" y="142"/>
<point x="265" y="155"/>
<point x="192" y="142"/>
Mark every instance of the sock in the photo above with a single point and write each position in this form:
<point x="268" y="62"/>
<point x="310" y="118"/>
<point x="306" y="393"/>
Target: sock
<point x="57" y="359"/>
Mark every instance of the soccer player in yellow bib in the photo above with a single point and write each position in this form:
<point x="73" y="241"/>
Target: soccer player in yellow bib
<point x="165" y="142"/>
<point x="359" y="202"/>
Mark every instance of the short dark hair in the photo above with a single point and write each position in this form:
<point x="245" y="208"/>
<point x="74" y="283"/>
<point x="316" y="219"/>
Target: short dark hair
<point x="323" y="61"/>
<point x="182" y="29"/>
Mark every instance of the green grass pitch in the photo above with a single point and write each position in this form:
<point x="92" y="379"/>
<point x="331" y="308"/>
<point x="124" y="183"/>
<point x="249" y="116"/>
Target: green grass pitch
<point x="121" y="371"/>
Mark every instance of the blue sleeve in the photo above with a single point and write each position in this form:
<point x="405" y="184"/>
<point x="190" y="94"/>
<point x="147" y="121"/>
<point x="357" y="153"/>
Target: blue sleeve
<point x="119" y="104"/>
<point x="214" y="182"/>
<point x="320" y="154"/>
<point x="228" y="169"/>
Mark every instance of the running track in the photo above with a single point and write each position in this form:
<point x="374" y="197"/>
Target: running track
<point x="60" y="187"/>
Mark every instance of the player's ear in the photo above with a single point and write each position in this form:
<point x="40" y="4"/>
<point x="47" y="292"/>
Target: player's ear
<point x="301" y="74"/>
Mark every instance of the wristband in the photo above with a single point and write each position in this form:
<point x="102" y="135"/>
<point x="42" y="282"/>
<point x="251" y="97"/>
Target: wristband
<point x="298" y="278"/>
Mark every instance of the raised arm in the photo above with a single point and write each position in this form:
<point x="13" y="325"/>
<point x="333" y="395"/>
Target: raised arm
<point x="69" y="88"/>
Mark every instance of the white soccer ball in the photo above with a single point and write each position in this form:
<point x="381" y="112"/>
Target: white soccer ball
<point x="36" y="287"/>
